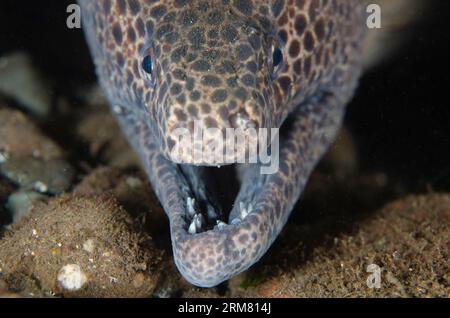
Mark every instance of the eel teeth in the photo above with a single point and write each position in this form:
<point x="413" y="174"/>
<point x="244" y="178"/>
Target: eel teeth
<point x="190" y="203"/>
<point x="220" y="225"/>
<point x="196" y="224"/>
<point x="245" y="210"/>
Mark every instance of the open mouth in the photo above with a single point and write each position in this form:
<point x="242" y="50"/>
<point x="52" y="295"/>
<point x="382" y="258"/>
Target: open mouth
<point x="218" y="196"/>
<point x="224" y="219"/>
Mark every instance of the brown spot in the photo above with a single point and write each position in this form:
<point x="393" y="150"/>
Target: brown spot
<point x="180" y="114"/>
<point x="298" y="67"/>
<point x="309" y="42"/>
<point x="307" y="66"/>
<point x="300" y="24"/>
<point x="283" y="35"/>
<point x="285" y="83"/>
<point x="294" y="49"/>
<point x="283" y="19"/>
<point x="117" y="33"/>
<point x="319" y="29"/>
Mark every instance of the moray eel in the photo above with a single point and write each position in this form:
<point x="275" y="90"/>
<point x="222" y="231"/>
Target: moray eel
<point x="286" y="64"/>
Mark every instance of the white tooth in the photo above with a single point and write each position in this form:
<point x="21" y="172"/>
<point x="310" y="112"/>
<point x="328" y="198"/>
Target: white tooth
<point x="190" y="202"/>
<point x="192" y="228"/>
<point x="245" y="210"/>
<point x="220" y="225"/>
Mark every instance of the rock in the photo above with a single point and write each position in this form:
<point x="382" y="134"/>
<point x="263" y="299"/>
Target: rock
<point x="133" y="192"/>
<point x="50" y="247"/>
<point x="21" y="137"/>
<point x="6" y="189"/>
<point x="20" y="81"/>
<point x="29" y="158"/>
<point x="5" y="292"/>
<point x="52" y="176"/>
<point x="20" y="202"/>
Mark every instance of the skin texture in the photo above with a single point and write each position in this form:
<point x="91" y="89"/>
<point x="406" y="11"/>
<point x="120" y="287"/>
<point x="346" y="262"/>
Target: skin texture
<point x="213" y="63"/>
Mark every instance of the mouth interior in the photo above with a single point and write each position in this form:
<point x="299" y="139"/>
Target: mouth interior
<point x="211" y="195"/>
<point x="220" y="196"/>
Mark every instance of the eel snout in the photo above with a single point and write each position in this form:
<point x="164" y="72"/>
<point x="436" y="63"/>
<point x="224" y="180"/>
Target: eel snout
<point x="213" y="242"/>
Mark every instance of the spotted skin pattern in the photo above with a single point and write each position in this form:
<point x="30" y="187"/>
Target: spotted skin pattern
<point x="212" y="63"/>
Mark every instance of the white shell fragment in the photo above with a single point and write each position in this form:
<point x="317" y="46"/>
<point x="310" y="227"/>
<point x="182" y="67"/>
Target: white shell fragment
<point x="71" y="277"/>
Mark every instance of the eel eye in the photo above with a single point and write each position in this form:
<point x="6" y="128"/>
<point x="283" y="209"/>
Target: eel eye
<point x="147" y="65"/>
<point x="147" y="68"/>
<point x="277" y="58"/>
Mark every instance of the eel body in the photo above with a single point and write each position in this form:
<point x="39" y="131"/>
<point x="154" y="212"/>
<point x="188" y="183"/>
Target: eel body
<point x="167" y="65"/>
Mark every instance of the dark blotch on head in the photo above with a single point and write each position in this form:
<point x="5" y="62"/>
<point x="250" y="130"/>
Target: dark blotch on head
<point x="298" y="67"/>
<point x="307" y="66"/>
<point x="211" y="80"/>
<point x="181" y="116"/>
<point x="188" y="18"/>
<point x="180" y="3"/>
<point x="192" y="110"/>
<point x="319" y="29"/>
<point x="122" y="6"/>
<point x="135" y="7"/>
<point x="243" y="238"/>
<point x="179" y="75"/>
<point x="215" y="17"/>
<point x="131" y="34"/>
<point x="107" y="6"/>
<point x="159" y="11"/>
<point x="241" y="94"/>
<point x="285" y="83"/>
<point x="201" y="66"/>
<point x="248" y="80"/>
<point x="244" y="6"/>
<point x="300" y="24"/>
<point x="120" y="59"/>
<point x="181" y="99"/>
<point x="252" y="67"/>
<point x="197" y="36"/>
<point x="175" y="89"/>
<point x="210" y="122"/>
<point x="294" y="49"/>
<point x="219" y="96"/>
<point x="309" y="41"/>
<point x="140" y="28"/>
<point x="117" y="33"/>
<point x="229" y="33"/>
<point x="195" y="96"/>
<point x="277" y="7"/>
<point x="244" y="51"/>
<point x="213" y="34"/>
<point x="178" y="53"/>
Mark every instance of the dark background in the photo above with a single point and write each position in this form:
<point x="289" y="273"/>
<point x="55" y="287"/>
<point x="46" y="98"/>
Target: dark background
<point x="400" y="116"/>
